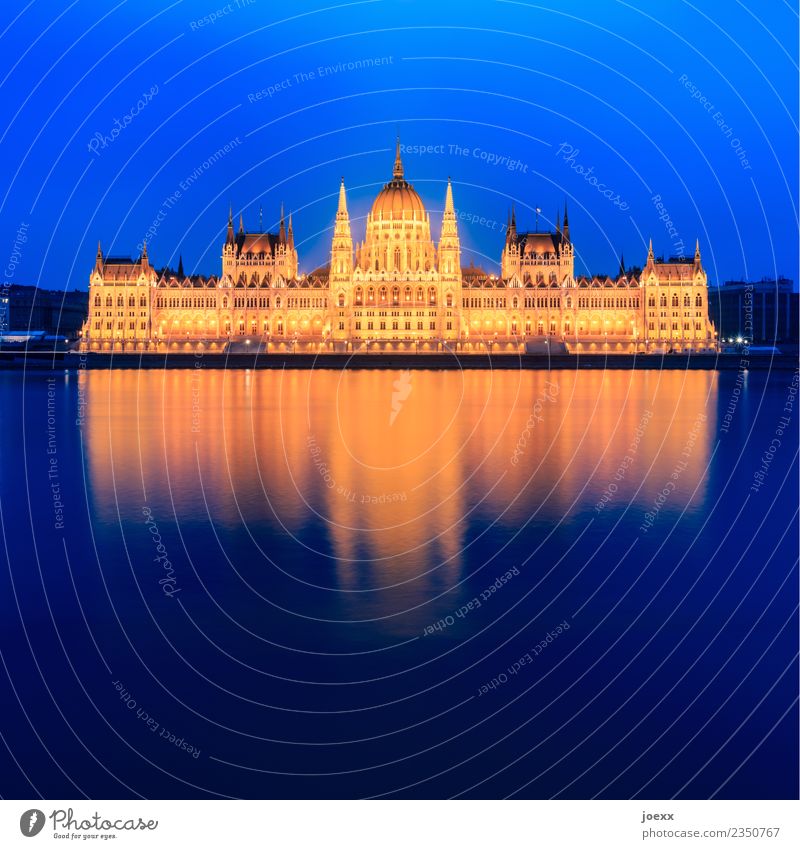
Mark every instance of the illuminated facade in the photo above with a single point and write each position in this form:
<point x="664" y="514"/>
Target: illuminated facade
<point x="397" y="290"/>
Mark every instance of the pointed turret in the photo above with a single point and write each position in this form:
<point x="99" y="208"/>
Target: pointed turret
<point x="697" y="261"/>
<point x="290" y="233"/>
<point x="98" y="264"/>
<point x="566" y="223"/>
<point x="145" y="261"/>
<point x="180" y="267"/>
<point x="282" y="231"/>
<point x="622" y="264"/>
<point x="229" y="238"/>
<point x="341" y="210"/>
<point x="448" y="199"/>
<point x="650" y="257"/>
<point x="342" y="245"/>
<point x="513" y="228"/>
<point x="449" y="244"/>
<point x="397" y="172"/>
<point x="241" y="224"/>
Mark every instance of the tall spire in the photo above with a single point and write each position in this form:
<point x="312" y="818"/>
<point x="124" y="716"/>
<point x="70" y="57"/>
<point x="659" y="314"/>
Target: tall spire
<point x="558" y="221"/>
<point x="229" y="236"/>
<point x="697" y="264"/>
<point x="342" y="208"/>
<point x="448" y="199"/>
<point x="241" y="222"/>
<point x="291" y="232"/>
<point x="98" y="264"/>
<point x="622" y="264"/>
<point x="449" y="244"/>
<point x="513" y="227"/>
<point x="398" y="162"/>
<point x="144" y="252"/>
<point x="650" y="257"/>
<point x="342" y="244"/>
<point x="180" y="267"/>
<point x="566" y="222"/>
<point x="282" y="231"/>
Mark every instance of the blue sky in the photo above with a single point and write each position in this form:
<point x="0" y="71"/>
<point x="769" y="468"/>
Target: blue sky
<point x="651" y="119"/>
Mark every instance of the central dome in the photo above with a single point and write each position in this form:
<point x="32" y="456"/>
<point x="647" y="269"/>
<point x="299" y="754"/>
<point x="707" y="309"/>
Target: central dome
<point x="398" y="198"/>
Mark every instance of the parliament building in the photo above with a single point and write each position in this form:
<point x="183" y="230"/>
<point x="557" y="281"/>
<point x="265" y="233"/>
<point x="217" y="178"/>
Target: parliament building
<point x="397" y="290"/>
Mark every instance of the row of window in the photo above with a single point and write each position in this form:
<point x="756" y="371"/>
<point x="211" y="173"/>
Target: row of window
<point x="687" y="325"/>
<point x="396" y="325"/>
<point x="687" y="300"/>
<point x="121" y="325"/>
<point x="384" y="294"/>
<point x="675" y="314"/>
<point x="121" y="301"/>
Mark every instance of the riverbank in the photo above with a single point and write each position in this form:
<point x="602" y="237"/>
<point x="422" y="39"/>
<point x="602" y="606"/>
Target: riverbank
<point x="718" y="362"/>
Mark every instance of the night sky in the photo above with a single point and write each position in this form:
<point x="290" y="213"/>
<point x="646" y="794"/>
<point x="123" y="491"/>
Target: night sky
<point x="632" y="112"/>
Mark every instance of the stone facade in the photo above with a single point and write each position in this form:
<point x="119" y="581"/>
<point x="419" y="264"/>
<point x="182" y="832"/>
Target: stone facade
<point x="397" y="290"/>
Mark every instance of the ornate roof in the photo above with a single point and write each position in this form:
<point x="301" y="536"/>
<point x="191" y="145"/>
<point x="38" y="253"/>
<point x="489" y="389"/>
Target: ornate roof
<point x="398" y="197"/>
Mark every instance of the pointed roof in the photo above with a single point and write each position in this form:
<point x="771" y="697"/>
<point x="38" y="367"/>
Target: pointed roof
<point x="342" y="208"/>
<point x="448" y="199"/>
<point x="398" y="162"/>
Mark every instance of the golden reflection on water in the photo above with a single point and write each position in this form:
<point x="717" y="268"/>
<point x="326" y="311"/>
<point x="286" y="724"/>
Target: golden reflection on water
<point x="295" y="448"/>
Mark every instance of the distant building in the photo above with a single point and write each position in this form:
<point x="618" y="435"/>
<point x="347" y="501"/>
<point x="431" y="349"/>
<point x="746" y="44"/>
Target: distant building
<point x="765" y="311"/>
<point x="57" y="313"/>
<point x="397" y="290"/>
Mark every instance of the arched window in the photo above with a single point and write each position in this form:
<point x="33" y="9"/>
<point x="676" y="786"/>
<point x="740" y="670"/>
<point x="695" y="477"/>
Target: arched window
<point x="420" y="294"/>
<point x="698" y="301"/>
<point x="143" y="301"/>
<point x="395" y="295"/>
<point x="382" y="293"/>
<point x="341" y="299"/>
<point x="407" y="293"/>
<point x="663" y="300"/>
<point x="431" y="295"/>
<point x="371" y="295"/>
<point x="120" y="301"/>
<point x="687" y="300"/>
<point x="359" y="296"/>
<point x="131" y="301"/>
<point x="651" y="301"/>
<point x="674" y="300"/>
<point x="515" y="303"/>
<point x="397" y="259"/>
<point x="97" y="300"/>
<point x="449" y="299"/>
